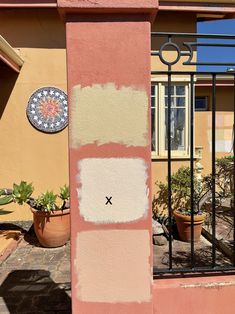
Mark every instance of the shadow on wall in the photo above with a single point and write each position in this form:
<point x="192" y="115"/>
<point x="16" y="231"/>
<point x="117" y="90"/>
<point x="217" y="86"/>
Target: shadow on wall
<point x="33" y="291"/>
<point x="33" y="28"/>
<point x="7" y="81"/>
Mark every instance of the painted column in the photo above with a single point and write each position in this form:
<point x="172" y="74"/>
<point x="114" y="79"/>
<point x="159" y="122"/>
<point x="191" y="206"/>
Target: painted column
<point x="108" y="59"/>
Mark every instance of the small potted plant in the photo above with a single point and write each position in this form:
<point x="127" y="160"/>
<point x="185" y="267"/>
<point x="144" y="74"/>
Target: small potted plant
<point x="51" y="215"/>
<point x="181" y="202"/>
<point x="51" y="212"/>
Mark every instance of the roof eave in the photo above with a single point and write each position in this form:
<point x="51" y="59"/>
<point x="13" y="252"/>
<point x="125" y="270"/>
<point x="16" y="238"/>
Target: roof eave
<point x="9" y="56"/>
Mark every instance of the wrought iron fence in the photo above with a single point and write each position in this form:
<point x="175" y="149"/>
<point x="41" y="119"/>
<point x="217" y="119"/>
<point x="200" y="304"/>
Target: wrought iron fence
<point x="184" y="45"/>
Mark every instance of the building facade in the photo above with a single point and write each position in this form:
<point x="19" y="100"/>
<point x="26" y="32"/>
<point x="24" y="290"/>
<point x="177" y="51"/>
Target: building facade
<point x="117" y="141"/>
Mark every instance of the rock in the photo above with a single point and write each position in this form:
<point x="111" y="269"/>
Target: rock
<point x="157" y="227"/>
<point x="159" y="240"/>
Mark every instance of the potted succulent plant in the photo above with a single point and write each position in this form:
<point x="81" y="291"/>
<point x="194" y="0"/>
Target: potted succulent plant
<point x="181" y="202"/>
<point x="51" y="212"/>
<point x="52" y="218"/>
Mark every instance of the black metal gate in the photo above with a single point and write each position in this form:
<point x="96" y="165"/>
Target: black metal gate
<point x="184" y="45"/>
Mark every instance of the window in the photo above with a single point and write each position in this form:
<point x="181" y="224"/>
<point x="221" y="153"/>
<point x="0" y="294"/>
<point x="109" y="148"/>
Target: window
<point x="201" y="103"/>
<point x="179" y="119"/>
<point x="153" y="116"/>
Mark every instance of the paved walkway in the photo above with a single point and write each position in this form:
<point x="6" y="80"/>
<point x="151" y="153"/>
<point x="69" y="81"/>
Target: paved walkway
<point x="35" y="280"/>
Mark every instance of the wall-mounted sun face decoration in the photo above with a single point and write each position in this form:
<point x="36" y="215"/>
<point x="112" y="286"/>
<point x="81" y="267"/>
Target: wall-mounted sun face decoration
<point x="47" y="109"/>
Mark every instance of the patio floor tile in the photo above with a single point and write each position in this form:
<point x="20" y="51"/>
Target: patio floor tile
<point x="35" y="280"/>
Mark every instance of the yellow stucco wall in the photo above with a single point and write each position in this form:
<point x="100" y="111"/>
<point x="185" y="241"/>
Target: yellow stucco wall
<point x="26" y="153"/>
<point x="172" y="22"/>
<point x="224" y="123"/>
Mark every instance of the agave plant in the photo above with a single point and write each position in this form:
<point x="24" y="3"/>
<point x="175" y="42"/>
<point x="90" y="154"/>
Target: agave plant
<point x="21" y="193"/>
<point x="49" y="201"/>
<point x="64" y="195"/>
<point x="46" y="201"/>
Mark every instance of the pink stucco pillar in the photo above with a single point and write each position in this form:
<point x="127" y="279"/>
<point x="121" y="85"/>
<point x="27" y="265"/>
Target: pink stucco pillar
<point x="108" y="60"/>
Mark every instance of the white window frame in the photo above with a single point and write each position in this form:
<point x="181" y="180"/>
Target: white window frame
<point x="160" y="151"/>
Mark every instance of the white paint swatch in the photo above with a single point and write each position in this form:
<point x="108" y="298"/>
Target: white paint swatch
<point x="122" y="179"/>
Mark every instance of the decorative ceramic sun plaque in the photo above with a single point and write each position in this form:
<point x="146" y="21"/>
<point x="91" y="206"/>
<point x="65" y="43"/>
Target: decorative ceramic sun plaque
<point x="47" y="109"/>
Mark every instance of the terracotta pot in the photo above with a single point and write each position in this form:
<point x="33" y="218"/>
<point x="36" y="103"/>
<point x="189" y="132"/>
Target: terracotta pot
<point x="183" y="223"/>
<point x="53" y="228"/>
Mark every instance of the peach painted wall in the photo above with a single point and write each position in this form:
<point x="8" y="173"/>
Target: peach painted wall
<point x="204" y="295"/>
<point x="199" y="1"/>
<point x="27" y="154"/>
<point x="110" y="157"/>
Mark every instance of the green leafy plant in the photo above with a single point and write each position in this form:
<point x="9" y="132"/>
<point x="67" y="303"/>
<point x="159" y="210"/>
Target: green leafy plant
<point x="181" y="192"/>
<point x="225" y="176"/>
<point x="49" y="201"/>
<point x="5" y="199"/>
<point x="64" y="192"/>
<point x="64" y="195"/>
<point x="181" y="188"/>
<point x="21" y="193"/>
<point x="46" y="201"/>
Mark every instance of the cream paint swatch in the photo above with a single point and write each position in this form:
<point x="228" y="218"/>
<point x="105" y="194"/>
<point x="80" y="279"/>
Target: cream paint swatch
<point x="123" y="179"/>
<point x="222" y="146"/>
<point x="223" y="119"/>
<point x="221" y="134"/>
<point x="105" y="114"/>
<point x="113" y="266"/>
<point x="223" y="143"/>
